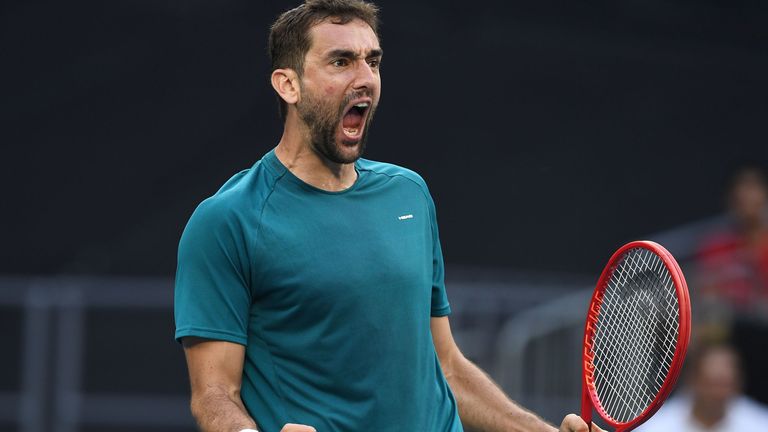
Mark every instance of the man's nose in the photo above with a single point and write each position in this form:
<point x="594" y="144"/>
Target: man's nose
<point x="365" y="75"/>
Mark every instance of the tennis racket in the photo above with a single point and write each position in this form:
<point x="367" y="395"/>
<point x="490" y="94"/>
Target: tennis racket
<point x="636" y="336"/>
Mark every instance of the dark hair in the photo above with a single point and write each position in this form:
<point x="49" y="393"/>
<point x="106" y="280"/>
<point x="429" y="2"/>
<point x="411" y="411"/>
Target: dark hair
<point x="748" y="173"/>
<point x="289" y="38"/>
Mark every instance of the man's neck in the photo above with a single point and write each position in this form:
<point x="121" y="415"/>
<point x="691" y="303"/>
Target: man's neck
<point x="707" y="416"/>
<point x="295" y="152"/>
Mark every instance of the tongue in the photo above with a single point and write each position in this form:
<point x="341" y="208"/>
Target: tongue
<point x="352" y="119"/>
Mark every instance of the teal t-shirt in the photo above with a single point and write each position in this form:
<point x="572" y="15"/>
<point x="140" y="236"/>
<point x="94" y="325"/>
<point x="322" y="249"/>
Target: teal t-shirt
<point x="331" y="293"/>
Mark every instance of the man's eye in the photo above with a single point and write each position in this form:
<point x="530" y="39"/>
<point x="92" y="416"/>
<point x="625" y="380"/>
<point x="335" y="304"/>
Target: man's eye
<point x="374" y="63"/>
<point x="340" y="62"/>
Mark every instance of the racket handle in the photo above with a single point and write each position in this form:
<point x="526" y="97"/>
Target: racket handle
<point x="586" y="407"/>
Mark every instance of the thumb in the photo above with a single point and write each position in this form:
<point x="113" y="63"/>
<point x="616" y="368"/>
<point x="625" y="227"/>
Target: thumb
<point x="293" y="427"/>
<point x="573" y="423"/>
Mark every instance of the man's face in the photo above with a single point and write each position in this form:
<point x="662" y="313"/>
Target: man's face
<point x="716" y="380"/>
<point x="748" y="199"/>
<point x="340" y="88"/>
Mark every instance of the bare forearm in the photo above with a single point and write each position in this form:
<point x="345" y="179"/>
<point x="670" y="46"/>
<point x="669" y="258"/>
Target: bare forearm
<point x="484" y="407"/>
<point x="218" y="411"/>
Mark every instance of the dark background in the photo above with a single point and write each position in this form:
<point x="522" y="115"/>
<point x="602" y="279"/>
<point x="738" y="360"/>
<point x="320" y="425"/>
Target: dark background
<point x="550" y="132"/>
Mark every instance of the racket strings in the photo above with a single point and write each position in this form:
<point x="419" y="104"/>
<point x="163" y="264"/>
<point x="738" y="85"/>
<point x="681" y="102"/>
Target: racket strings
<point x="640" y="356"/>
<point x="635" y="336"/>
<point x="640" y="361"/>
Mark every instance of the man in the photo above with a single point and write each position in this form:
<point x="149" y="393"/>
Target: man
<point x="733" y="260"/>
<point x="309" y="292"/>
<point x="713" y="401"/>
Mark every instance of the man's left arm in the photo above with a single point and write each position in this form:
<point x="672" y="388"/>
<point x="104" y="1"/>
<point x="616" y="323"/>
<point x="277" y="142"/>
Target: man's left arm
<point x="482" y="404"/>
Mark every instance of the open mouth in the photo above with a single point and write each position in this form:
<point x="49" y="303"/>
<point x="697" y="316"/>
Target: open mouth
<point x="353" y="121"/>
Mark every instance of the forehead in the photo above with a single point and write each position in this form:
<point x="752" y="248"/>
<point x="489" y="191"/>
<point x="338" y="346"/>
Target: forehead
<point x="718" y="361"/>
<point x="356" y="36"/>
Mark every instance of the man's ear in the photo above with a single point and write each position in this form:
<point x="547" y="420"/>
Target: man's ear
<point x="286" y="84"/>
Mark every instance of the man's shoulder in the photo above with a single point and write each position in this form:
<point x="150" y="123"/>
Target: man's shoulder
<point x="242" y="192"/>
<point x="671" y="417"/>
<point x="391" y="170"/>
<point x="747" y="408"/>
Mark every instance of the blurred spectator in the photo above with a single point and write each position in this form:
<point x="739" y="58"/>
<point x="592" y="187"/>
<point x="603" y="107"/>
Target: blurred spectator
<point x="712" y="400"/>
<point x="733" y="262"/>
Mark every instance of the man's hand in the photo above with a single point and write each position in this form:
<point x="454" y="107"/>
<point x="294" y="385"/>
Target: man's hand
<point x="574" y="423"/>
<point x="290" y="427"/>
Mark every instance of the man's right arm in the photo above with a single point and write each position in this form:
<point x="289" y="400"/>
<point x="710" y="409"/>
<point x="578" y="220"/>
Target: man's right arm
<point x="215" y="374"/>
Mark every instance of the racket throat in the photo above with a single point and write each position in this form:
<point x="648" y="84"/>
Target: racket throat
<point x="586" y="405"/>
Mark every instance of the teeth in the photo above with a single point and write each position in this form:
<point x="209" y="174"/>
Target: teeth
<point x="362" y="105"/>
<point x="350" y="131"/>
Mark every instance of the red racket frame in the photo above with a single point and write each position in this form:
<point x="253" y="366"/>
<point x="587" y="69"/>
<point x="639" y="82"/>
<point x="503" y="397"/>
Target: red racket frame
<point x="588" y="397"/>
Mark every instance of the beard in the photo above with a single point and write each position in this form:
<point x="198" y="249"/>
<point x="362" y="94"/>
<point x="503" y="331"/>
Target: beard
<point x="323" y="120"/>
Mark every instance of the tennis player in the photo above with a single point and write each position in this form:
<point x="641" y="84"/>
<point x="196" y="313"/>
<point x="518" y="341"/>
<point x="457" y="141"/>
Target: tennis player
<point x="309" y="289"/>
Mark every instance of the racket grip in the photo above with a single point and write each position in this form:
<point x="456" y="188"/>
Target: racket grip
<point x="586" y="407"/>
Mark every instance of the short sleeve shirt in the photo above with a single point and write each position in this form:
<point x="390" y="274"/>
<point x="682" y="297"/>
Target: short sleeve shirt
<point x="331" y="293"/>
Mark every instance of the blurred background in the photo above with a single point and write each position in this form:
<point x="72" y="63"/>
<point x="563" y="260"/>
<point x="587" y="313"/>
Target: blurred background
<point x="550" y="133"/>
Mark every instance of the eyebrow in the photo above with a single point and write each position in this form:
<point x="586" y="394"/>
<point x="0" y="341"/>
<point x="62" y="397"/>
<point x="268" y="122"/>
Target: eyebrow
<point x="349" y="54"/>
